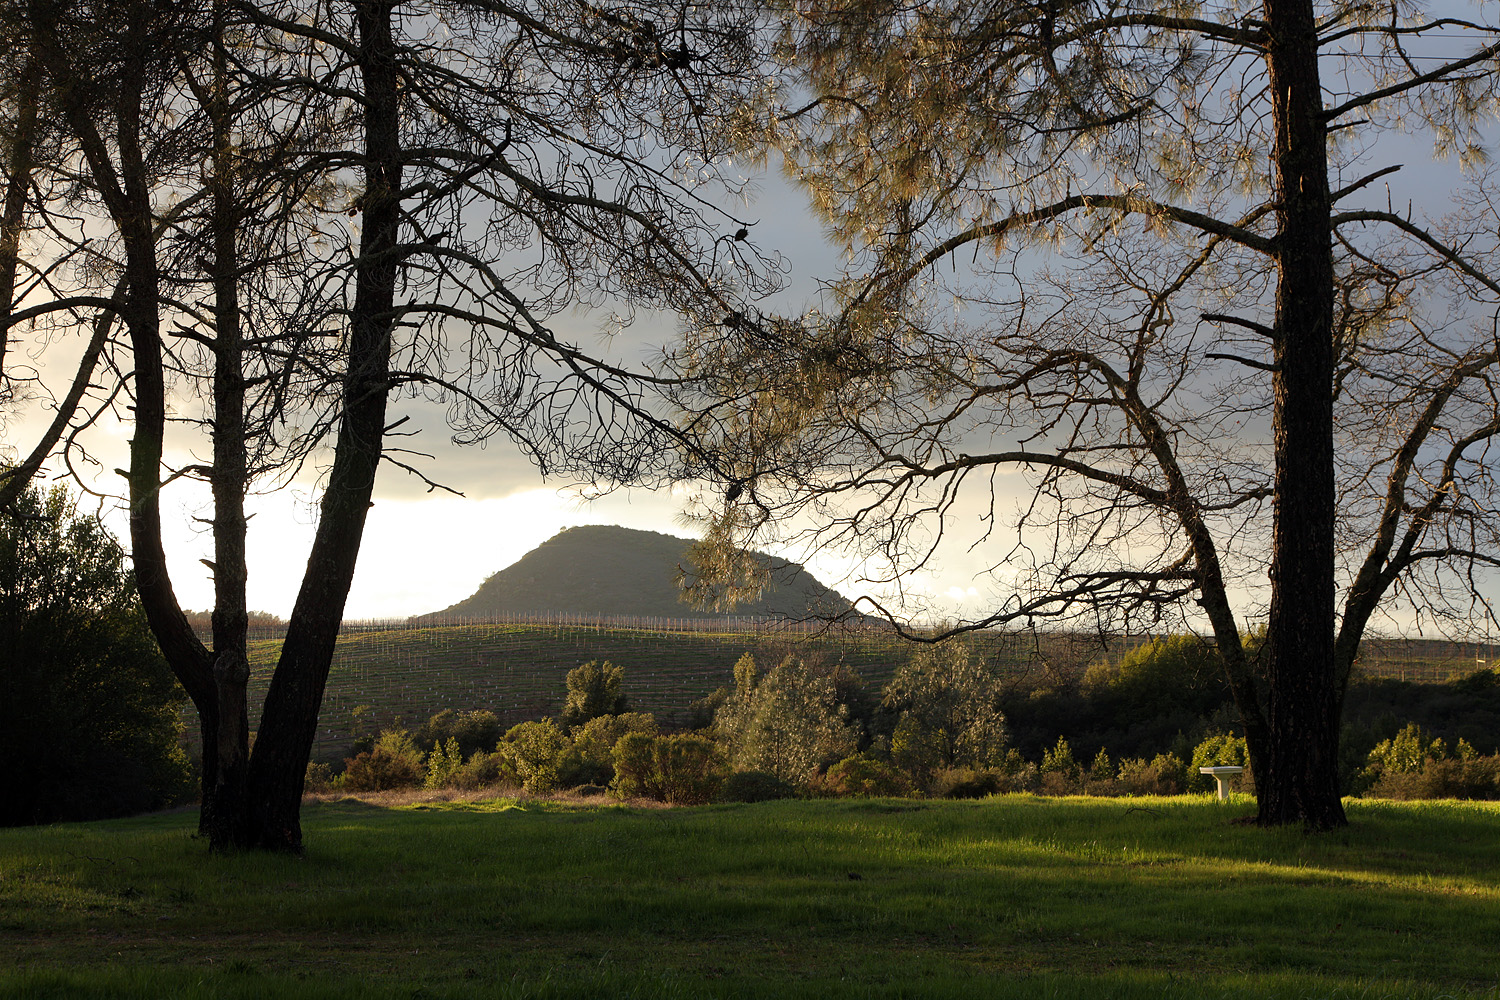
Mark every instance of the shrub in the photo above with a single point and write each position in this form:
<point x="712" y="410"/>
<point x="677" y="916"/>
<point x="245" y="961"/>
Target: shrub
<point x="1409" y="766"/>
<point x="595" y="688"/>
<point x="967" y="783"/>
<point x="1442" y="778"/>
<point x="1404" y="753"/>
<point x="394" y="762"/>
<point x="473" y="731"/>
<point x="755" y="786"/>
<point x="590" y="760"/>
<point x="688" y="769"/>
<point x="483" y="770"/>
<point x="863" y="775"/>
<point x="443" y="763"/>
<point x="789" y="722"/>
<point x="319" y="777"/>
<point x="1221" y="751"/>
<point x="635" y="767"/>
<point x="1166" y="774"/>
<point x="1101" y="778"/>
<point x="534" y="751"/>
<point x="916" y="750"/>
<point x="1059" y="760"/>
<point x="587" y="791"/>
<point x="945" y="702"/>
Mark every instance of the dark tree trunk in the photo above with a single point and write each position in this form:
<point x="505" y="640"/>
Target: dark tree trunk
<point x="228" y="825"/>
<point x="17" y="192"/>
<point x="125" y="191"/>
<point x="1298" y="779"/>
<point x="290" y="717"/>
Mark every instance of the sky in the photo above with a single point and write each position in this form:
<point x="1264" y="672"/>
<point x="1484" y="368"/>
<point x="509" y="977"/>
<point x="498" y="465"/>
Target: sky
<point x="424" y="551"/>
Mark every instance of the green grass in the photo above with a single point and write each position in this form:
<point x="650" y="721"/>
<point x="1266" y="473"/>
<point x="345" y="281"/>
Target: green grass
<point x="1009" y="897"/>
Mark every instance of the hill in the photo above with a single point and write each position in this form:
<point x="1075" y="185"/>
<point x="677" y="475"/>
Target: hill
<point x="611" y="571"/>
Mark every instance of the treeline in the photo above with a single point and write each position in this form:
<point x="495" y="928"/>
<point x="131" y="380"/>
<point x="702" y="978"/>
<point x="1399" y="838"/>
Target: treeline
<point x="948" y="723"/>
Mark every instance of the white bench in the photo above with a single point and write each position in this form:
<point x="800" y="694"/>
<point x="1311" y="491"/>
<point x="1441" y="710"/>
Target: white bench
<point x="1222" y="775"/>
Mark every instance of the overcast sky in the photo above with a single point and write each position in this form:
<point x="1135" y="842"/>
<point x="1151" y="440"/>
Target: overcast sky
<point x="424" y="551"/>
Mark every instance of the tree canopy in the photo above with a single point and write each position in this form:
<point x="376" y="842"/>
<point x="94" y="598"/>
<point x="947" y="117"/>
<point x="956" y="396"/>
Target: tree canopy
<point x="1144" y="260"/>
<point x="312" y="213"/>
<point x="89" y="723"/>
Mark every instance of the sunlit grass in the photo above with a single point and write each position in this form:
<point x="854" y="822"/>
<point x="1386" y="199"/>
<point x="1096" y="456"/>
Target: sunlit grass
<point x="1015" y="896"/>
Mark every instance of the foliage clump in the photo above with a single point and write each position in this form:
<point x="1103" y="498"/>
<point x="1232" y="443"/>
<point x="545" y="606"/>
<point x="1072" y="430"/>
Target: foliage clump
<point x="755" y="786"/>
<point x="394" y="762"/>
<point x="89" y="722"/>
<point x="1413" y="765"/>
<point x="595" y="688"/>
<point x="789" y="722"/>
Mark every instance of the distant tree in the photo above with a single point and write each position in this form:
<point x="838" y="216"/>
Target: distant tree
<point x="89" y="718"/>
<point x="471" y="731"/>
<point x="944" y="703"/>
<point x="788" y="722"/>
<point x="595" y="688"/>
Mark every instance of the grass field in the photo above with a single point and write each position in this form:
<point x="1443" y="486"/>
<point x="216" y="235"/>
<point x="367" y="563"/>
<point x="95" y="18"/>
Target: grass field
<point x="1006" y="897"/>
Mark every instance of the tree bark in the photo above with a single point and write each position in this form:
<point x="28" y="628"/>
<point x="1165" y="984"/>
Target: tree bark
<point x="227" y="823"/>
<point x="290" y="717"/>
<point x="1299" y="764"/>
<point x="17" y="192"/>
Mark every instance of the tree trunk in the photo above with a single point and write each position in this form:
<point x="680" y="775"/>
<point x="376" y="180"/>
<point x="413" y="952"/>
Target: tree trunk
<point x="17" y="192"/>
<point x="1299" y="779"/>
<point x="228" y="827"/>
<point x="126" y="194"/>
<point x="290" y="718"/>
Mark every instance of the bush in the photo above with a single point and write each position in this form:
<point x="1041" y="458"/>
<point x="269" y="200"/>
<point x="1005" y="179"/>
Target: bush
<point x="590" y="760"/>
<point x="1101" y="778"/>
<point x="443" y="764"/>
<point x="755" y="786"/>
<point x="1446" y="778"/>
<point x="473" y="731"/>
<point x="483" y="770"/>
<point x="319" y="777"/>
<point x="595" y="688"/>
<point x="394" y="762"/>
<point x="1410" y="766"/>
<point x="635" y="767"/>
<point x="689" y="769"/>
<point x="789" y="722"/>
<point x="967" y="783"/>
<point x="864" y="776"/>
<point x="945" y="702"/>
<point x="1221" y="751"/>
<point x="1164" y="775"/>
<point x="534" y="750"/>
<point x="1061" y="774"/>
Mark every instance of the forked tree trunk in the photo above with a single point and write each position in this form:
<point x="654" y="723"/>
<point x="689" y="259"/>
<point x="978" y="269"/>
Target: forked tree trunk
<point x="289" y="720"/>
<point x="1298" y="779"/>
